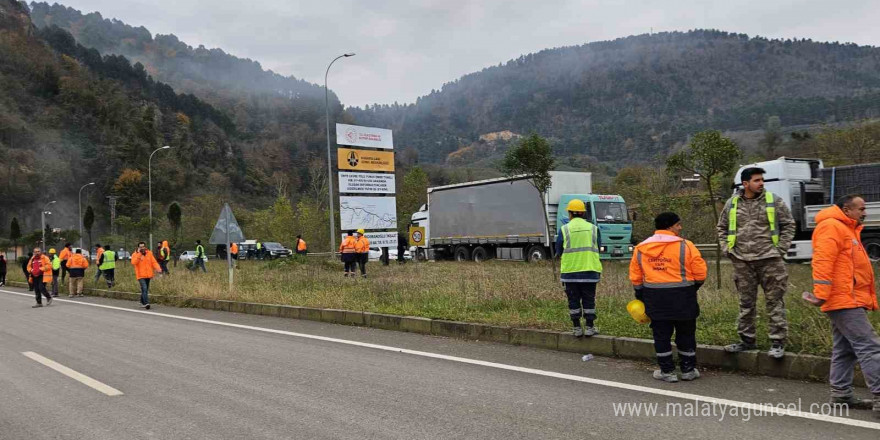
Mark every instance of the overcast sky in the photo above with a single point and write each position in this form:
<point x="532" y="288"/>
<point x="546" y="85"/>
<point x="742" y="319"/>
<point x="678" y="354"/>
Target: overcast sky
<point x="406" y="48"/>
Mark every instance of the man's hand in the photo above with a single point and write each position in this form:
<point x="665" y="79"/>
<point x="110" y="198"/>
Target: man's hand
<point x="810" y="298"/>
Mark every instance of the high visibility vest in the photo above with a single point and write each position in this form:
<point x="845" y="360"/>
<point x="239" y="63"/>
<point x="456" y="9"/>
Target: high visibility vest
<point x="200" y="252"/>
<point x="259" y="245"/>
<point x="109" y="261"/>
<point x="56" y="263"/>
<point x="771" y="217"/>
<point x="579" y="243"/>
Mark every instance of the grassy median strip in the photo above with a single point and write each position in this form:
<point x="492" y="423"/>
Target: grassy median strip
<point x="499" y="293"/>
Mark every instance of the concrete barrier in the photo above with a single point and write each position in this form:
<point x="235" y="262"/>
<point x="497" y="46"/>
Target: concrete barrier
<point x="534" y="338"/>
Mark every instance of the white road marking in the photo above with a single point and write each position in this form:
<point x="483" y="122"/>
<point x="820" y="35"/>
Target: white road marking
<point x="748" y="406"/>
<point x="77" y="376"/>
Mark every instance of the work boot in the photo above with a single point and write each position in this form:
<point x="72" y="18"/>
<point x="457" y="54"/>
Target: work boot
<point x="740" y="346"/>
<point x="591" y="331"/>
<point x="853" y="402"/>
<point x="36" y="306"/>
<point x="691" y="375"/>
<point x="777" y="351"/>
<point x="49" y="301"/>
<point x="577" y="331"/>
<point x="665" y="377"/>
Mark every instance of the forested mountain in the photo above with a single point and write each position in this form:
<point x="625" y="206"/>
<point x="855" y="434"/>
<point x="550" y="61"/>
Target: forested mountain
<point x="70" y="115"/>
<point x="633" y="98"/>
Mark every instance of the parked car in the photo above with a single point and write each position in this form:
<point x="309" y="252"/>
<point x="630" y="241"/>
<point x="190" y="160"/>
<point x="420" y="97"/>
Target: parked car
<point x="123" y="254"/>
<point x="85" y="253"/>
<point x="376" y="254"/>
<point x="189" y="256"/>
<point x="276" y="250"/>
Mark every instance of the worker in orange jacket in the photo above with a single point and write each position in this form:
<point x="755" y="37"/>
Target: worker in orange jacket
<point x="76" y="266"/>
<point x="145" y="266"/>
<point x="843" y="285"/>
<point x="65" y="255"/>
<point x="99" y="250"/>
<point x="362" y="248"/>
<point x="301" y="248"/>
<point x="349" y="256"/>
<point x="667" y="271"/>
<point x="39" y="269"/>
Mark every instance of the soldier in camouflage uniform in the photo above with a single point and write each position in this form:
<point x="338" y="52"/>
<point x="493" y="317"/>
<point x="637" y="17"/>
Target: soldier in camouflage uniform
<point x="755" y="237"/>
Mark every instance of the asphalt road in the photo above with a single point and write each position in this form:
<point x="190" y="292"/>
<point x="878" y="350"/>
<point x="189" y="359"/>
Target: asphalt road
<point x="264" y="377"/>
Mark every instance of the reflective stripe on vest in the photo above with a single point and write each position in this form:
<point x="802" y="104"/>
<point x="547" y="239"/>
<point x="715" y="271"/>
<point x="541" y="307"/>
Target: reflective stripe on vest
<point x="56" y="263"/>
<point x="580" y="253"/>
<point x="771" y="217"/>
<point x="200" y="252"/>
<point x="681" y="259"/>
<point x="109" y="260"/>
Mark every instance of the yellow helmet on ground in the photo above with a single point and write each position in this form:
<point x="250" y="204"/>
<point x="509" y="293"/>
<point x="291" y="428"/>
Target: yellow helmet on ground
<point x="576" y="205"/>
<point x="360" y="231"/>
<point x="636" y="309"/>
<point x="52" y="251"/>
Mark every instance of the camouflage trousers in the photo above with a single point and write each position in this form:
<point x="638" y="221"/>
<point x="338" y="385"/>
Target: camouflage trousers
<point x="772" y="275"/>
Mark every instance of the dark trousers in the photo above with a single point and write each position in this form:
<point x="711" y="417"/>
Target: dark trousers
<point x="98" y="275"/>
<point x="581" y="301"/>
<point x="64" y="270"/>
<point x="685" y="340"/>
<point x="164" y="265"/>
<point x="3" y="277"/>
<point x="362" y="262"/>
<point x="40" y="289"/>
<point x="145" y="290"/>
<point x="109" y="276"/>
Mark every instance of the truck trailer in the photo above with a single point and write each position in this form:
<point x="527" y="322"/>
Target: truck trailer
<point x="503" y="218"/>
<point x="808" y="187"/>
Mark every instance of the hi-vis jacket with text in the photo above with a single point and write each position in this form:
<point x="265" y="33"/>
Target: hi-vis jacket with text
<point x="666" y="271"/>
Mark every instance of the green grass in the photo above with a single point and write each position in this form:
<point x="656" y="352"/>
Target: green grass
<point x="496" y="292"/>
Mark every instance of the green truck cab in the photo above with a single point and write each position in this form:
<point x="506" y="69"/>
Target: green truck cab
<point x="609" y="213"/>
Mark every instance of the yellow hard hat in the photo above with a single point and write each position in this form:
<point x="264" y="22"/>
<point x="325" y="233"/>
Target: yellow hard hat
<point x="360" y="231"/>
<point x="52" y="251"/>
<point x="636" y="309"/>
<point x="576" y="205"/>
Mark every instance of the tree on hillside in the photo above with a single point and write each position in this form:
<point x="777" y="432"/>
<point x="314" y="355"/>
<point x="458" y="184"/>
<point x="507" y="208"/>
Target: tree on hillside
<point x="129" y="189"/>
<point x="88" y="222"/>
<point x="533" y="156"/>
<point x="174" y="218"/>
<point x="772" y="137"/>
<point x="855" y="145"/>
<point x="708" y="156"/>
<point x="413" y="194"/>
<point x="15" y="234"/>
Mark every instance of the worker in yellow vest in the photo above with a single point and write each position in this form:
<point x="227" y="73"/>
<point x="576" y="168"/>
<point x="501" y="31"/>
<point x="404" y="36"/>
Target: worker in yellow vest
<point x="578" y="244"/>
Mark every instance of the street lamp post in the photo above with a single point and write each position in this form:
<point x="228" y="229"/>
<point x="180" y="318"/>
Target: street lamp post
<point x="43" y="217"/>
<point x="329" y="158"/>
<point x="81" y="213"/>
<point x="150" y="189"/>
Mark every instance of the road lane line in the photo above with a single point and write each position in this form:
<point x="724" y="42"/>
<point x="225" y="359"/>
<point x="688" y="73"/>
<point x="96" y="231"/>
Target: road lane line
<point x="75" y="375"/>
<point x="750" y="406"/>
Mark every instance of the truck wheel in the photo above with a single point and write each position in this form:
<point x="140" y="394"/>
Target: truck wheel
<point x="536" y="253"/>
<point x="872" y="247"/>
<point x="462" y="253"/>
<point x="480" y="254"/>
